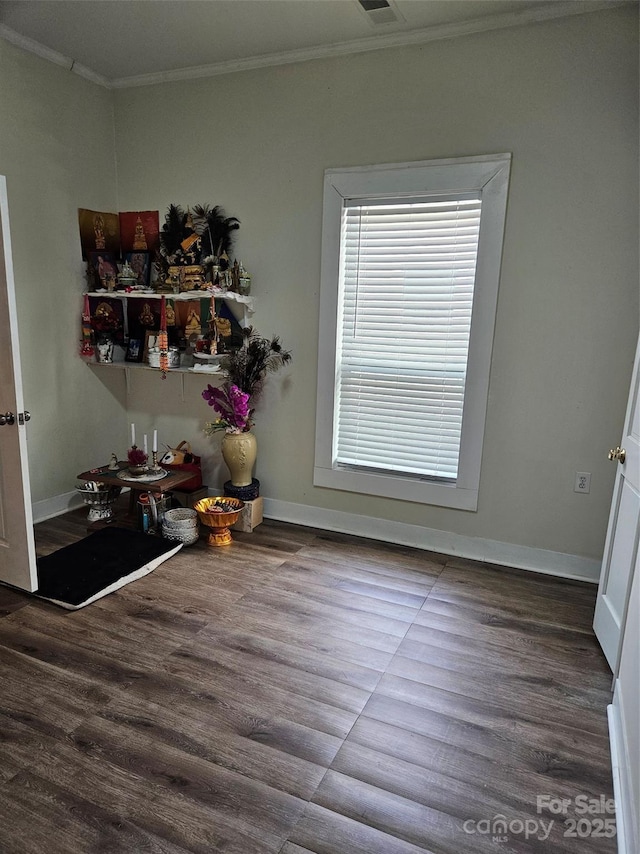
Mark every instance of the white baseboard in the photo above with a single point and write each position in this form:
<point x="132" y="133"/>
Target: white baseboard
<point x="475" y="548"/>
<point x="56" y="506"/>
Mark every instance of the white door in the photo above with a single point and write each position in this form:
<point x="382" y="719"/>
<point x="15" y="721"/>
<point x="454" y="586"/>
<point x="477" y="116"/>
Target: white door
<point x="17" y="547"/>
<point x="621" y="546"/>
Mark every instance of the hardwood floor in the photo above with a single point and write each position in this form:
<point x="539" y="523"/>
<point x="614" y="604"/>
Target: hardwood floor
<point x="298" y="692"/>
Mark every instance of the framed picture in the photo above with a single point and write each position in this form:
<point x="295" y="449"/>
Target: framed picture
<point x="135" y="350"/>
<point x="103" y="266"/>
<point x="139" y="231"/>
<point x="99" y="232"/>
<point x="141" y="265"/>
<point x="150" y="340"/>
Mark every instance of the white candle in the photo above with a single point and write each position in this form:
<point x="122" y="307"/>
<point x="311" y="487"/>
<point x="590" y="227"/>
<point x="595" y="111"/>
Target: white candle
<point x="133" y="435"/>
<point x="155" y="440"/>
<point x="144" y="443"/>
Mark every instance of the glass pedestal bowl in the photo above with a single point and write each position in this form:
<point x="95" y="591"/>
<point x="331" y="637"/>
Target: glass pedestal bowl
<point x="218" y="521"/>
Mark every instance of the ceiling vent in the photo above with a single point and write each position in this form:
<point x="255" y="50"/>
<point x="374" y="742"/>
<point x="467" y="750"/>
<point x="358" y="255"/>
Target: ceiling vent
<point x="380" y="12"/>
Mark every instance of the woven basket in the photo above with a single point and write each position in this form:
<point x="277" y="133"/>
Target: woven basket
<point x="187" y="536"/>
<point x="182" y="518"/>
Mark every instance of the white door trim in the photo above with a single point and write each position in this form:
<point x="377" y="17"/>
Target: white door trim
<point x="18" y="566"/>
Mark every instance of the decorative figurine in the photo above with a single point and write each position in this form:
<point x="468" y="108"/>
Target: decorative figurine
<point x="192" y="326"/>
<point x="244" y="281"/>
<point x="128" y="278"/>
<point x="113" y="463"/>
<point x="146" y="317"/>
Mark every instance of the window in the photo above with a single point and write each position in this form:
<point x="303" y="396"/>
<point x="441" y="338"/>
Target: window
<point x="410" y="267"/>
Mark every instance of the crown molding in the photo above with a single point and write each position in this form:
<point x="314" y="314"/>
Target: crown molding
<point x="551" y="11"/>
<point x="555" y="9"/>
<point x="53" y="56"/>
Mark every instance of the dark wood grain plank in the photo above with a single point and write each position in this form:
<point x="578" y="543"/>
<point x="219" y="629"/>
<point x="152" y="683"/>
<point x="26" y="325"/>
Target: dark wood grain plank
<point x="457" y="757"/>
<point x="392" y="588"/>
<point x="12" y="600"/>
<point x="444" y="777"/>
<point x="323" y="831"/>
<point x="246" y="669"/>
<point x="136" y="642"/>
<point x="290" y="848"/>
<point x="412" y="820"/>
<point x="45" y="697"/>
<point x="60" y="822"/>
<point x="281" y="753"/>
<point x="69" y="658"/>
<point x="522" y="583"/>
<point x="258" y="650"/>
<point x="477" y="734"/>
<point x="554" y="699"/>
<point x="425" y="643"/>
<point x="367" y="648"/>
<point x="141" y="787"/>
<point x="524" y="602"/>
<point x="501" y="716"/>
<point x="382" y="558"/>
<point x="193" y="679"/>
<point x="316" y="626"/>
<point x="21" y="740"/>
<point x="259" y="812"/>
<point x="356" y="618"/>
<point x="485" y="623"/>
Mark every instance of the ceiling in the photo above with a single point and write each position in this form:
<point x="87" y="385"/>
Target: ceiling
<point x="121" y="43"/>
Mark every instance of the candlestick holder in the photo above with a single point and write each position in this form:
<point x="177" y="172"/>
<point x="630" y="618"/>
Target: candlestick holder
<point x="155" y="468"/>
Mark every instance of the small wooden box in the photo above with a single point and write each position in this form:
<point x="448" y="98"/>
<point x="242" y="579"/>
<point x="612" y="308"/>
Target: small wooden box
<point x="250" y="517"/>
<point x="188" y="499"/>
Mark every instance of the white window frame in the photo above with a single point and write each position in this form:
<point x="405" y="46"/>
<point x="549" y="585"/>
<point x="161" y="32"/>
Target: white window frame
<point x="487" y="175"/>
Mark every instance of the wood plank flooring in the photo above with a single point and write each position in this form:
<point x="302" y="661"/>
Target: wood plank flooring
<point x="301" y="692"/>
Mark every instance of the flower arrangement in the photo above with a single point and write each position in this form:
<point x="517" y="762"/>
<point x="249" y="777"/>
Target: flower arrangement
<point x="245" y="370"/>
<point x="232" y="405"/>
<point x="137" y="456"/>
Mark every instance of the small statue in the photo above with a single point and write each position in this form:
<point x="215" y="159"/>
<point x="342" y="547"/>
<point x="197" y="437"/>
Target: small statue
<point x="146" y="315"/>
<point x="113" y="463"/>
<point x="192" y="326"/>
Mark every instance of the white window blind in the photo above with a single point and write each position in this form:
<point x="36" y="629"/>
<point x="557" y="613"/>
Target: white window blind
<point x="407" y="282"/>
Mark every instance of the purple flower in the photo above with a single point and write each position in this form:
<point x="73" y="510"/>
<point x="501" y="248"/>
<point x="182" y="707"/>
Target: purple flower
<point x="231" y="404"/>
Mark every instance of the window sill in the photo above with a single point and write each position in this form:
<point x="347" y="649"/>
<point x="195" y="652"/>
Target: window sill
<point x="400" y="488"/>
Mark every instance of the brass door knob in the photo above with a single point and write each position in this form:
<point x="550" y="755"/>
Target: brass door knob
<point x="618" y="454"/>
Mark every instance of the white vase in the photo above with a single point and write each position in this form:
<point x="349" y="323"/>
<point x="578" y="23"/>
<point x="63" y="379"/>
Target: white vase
<point x="239" y="451"/>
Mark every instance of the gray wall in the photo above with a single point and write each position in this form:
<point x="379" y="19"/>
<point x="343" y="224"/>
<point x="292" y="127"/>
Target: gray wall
<point x="562" y="97"/>
<point x="57" y="151"/>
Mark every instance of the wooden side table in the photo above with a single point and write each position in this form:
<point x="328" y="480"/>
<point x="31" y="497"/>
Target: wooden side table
<point x="108" y="476"/>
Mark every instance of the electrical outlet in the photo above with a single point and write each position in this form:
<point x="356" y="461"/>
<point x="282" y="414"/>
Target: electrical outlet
<point x="583" y="482"/>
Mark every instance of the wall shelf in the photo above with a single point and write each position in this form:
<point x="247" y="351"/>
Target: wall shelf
<point x="127" y="367"/>
<point x="142" y="366"/>
<point x="241" y="306"/>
